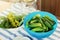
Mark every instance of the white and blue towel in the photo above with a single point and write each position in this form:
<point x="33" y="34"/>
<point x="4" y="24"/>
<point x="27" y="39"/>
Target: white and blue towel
<point x="10" y="34"/>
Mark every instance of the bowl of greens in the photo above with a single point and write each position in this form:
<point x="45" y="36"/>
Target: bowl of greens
<point x="11" y="21"/>
<point x="40" y="24"/>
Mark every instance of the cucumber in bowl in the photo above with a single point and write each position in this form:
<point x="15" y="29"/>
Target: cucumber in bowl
<point x="40" y="24"/>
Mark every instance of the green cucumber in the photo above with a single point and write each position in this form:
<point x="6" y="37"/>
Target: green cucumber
<point x="35" y="25"/>
<point x="33" y="21"/>
<point x="45" y="29"/>
<point x="43" y="25"/>
<point x="52" y="23"/>
<point x="50" y="19"/>
<point x="47" y="24"/>
<point x="2" y="25"/>
<point x="7" y="24"/>
<point x="36" y="16"/>
<point x="37" y="30"/>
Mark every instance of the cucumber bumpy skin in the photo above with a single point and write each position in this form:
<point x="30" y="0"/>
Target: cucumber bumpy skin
<point x="51" y="23"/>
<point x="35" y="25"/>
<point x="37" y="30"/>
<point x="43" y="25"/>
<point x="47" y="24"/>
<point x="50" y="19"/>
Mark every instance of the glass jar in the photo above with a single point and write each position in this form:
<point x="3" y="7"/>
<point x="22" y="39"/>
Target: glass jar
<point x="30" y="3"/>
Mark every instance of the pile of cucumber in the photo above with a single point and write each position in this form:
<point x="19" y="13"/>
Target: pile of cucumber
<point x="11" y="21"/>
<point x="41" y="24"/>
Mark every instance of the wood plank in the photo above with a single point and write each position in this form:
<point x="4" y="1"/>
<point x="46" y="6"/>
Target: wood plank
<point x="52" y="6"/>
<point x="38" y="4"/>
<point x="58" y="8"/>
<point x="48" y="5"/>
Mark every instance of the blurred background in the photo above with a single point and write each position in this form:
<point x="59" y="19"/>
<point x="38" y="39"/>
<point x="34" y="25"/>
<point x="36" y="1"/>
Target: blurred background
<point x="52" y="6"/>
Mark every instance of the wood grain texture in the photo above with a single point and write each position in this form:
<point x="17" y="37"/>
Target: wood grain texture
<point x="48" y="5"/>
<point x="38" y="4"/>
<point x="52" y="6"/>
<point x="58" y="8"/>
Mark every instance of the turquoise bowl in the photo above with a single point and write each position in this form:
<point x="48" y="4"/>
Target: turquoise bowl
<point x="41" y="34"/>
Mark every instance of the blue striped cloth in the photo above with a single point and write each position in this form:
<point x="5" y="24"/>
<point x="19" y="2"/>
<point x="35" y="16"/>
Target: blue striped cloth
<point x="10" y="34"/>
